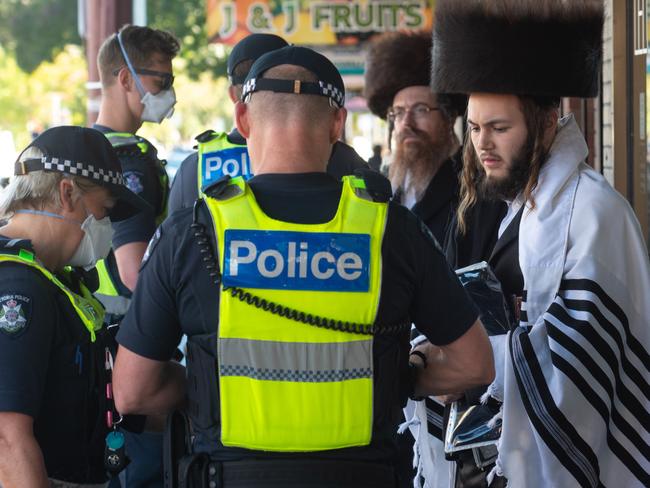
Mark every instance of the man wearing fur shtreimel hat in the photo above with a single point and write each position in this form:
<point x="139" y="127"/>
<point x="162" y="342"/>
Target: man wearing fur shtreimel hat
<point x="425" y="160"/>
<point x="572" y="374"/>
<point x="425" y="176"/>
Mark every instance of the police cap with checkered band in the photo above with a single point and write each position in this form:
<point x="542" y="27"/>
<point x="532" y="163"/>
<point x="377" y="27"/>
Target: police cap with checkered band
<point x="329" y="84"/>
<point x="251" y="48"/>
<point x="79" y="151"/>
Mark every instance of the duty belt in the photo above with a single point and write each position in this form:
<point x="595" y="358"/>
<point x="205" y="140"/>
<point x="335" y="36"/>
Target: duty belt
<point x="278" y="473"/>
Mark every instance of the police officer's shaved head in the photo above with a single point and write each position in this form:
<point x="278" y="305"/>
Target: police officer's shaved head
<point x="294" y="82"/>
<point x="297" y="92"/>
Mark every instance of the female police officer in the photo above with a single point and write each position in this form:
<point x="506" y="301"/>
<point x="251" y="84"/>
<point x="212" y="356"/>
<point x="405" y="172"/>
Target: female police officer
<point x="67" y="189"/>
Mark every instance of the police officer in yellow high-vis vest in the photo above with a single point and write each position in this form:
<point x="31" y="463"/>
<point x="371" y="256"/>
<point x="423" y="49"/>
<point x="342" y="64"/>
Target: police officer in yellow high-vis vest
<point x="135" y="67"/>
<point x="297" y="293"/>
<point x="225" y="153"/>
<point x="67" y="190"/>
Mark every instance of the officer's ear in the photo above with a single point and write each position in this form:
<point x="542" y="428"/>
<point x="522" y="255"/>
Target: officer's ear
<point x="125" y="79"/>
<point x="338" y="124"/>
<point x="242" y="119"/>
<point x="67" y="195"/>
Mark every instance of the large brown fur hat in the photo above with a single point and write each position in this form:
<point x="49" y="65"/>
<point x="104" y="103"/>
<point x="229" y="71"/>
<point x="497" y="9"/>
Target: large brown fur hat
<point x="395" y="61"/>
<point x="525" y="47"/>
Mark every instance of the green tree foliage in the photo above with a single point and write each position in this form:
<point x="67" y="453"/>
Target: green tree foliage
<point x="187" y="21"/>
<point x="37" y="30"/>
<point x="53" y="93"/>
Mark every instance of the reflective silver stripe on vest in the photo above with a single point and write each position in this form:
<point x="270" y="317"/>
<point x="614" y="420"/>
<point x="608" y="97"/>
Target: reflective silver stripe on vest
<point x="118" y="141"/>
<point x="291" y="361"/>
<point x="116" y="305"/>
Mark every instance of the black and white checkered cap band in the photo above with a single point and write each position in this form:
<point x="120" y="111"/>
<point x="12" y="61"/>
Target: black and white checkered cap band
<point x="76" y="168"/>
<point x="248" y="88"/>
<point x="294" y="86"/>
<point x="332" y="92"/>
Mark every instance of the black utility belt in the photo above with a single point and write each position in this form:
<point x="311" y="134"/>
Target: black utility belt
<point x="277" y="473"/>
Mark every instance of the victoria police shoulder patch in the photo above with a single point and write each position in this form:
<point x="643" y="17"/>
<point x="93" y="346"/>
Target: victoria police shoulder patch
<point x="15" y="314"/>
<point x="133" y="181"/>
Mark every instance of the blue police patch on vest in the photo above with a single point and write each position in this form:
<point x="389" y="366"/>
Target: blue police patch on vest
<point x="15" y="313"/>
<point x="284" y="260"/>
<point x="233" y="162"/>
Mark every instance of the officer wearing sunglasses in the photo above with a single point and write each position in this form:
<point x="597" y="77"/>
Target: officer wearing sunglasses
<point x="135" y="67"/>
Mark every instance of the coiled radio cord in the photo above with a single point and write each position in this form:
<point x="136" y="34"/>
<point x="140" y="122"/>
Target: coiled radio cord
<point x="212" y="266"/>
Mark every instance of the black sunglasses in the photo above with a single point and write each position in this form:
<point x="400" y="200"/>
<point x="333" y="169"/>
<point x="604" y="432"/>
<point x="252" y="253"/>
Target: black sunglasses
<point x="167" y="78"/>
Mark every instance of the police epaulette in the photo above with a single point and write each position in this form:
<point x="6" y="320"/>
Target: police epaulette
<point x="205" y="136"/>
<point x="377" y="185"/>
<point x="215" y="189"/>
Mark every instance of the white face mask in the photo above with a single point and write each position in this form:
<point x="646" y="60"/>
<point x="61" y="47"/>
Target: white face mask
<point x="158" y="106"/>
<point x="95" y="244"/>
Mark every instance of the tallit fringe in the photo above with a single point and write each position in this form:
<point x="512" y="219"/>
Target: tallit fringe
<point x="496" y="471"/>
<point x="413" y="421"/>
<point x="493" y="421"/>
<point x="495" y="390"/>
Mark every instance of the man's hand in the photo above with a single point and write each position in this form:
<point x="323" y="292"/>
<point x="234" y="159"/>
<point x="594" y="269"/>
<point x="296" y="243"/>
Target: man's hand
<point x="465" y="363"/>
<point x="447" y="399"/>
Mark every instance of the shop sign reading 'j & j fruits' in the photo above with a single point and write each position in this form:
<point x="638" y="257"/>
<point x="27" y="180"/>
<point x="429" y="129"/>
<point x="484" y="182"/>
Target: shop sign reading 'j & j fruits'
<point x="315" y="22"/>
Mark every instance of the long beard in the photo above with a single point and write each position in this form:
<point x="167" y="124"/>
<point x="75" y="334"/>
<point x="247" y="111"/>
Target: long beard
<point x="507" y="188"/>
<point x="419" y="162"/>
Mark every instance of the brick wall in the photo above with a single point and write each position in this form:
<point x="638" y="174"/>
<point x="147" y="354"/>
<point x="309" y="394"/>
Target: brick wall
<point x="607" y="91"/>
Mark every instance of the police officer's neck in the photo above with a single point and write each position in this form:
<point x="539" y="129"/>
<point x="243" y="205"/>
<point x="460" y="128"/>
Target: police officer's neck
<point x="291" y="155"/>
<point x="117" y="116"/>
<point x="53" y="242"/>
<point x="287" y="161"/>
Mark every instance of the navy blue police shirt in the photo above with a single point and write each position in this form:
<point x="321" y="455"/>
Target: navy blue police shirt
<point x="344" y="160"/>
<point x="141" y="177"/>
<point x="45" y="371"/>
<point x="176" y="296"/>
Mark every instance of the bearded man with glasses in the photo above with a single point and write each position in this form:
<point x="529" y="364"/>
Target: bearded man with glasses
<point x="425" y="175"/>
<point x="425" y="160"/>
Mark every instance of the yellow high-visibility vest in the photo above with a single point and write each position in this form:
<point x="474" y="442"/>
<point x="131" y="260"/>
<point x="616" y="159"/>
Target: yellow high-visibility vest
<point x="286" y="385"/>
<point x="108" y="292"/>
<point x="217" y="156"/>
<point x="88" y="308"/>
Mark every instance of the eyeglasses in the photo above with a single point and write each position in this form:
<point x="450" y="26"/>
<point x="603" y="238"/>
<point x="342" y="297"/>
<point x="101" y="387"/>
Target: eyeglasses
<point x="419" y="111"/>
<point x="167" y="78"/>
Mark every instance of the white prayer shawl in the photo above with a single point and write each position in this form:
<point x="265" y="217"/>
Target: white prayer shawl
<point x="574" y="375"/>
<point x="424" y="419"/>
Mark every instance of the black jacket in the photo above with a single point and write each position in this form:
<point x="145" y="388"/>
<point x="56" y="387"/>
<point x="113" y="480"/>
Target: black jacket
<point x="437" y="206"/>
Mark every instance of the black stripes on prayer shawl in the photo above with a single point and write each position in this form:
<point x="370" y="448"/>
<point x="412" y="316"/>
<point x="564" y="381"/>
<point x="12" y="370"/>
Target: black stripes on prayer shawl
<point x="591" y="344"/>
